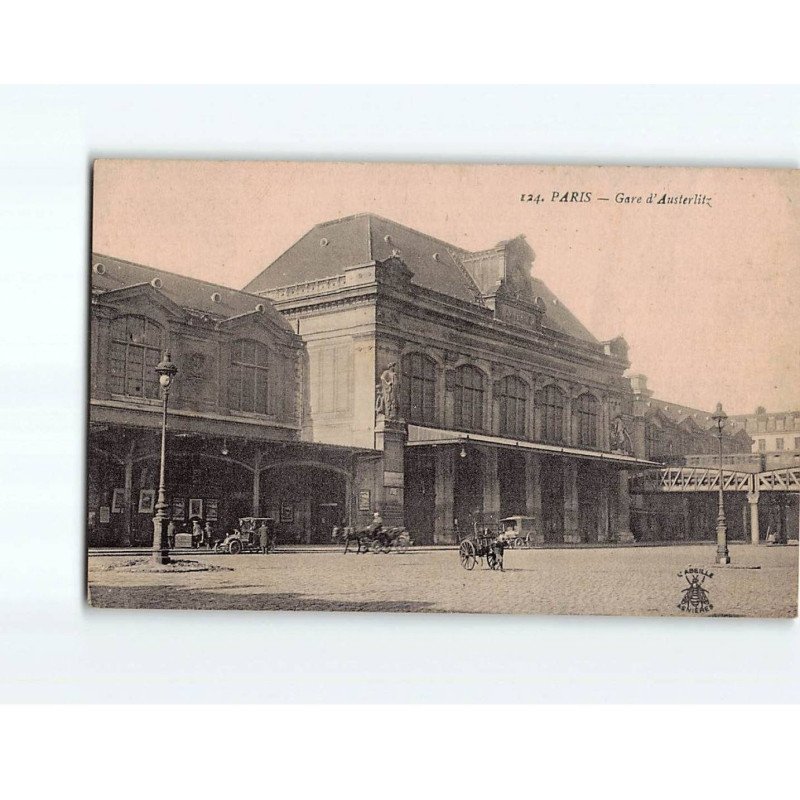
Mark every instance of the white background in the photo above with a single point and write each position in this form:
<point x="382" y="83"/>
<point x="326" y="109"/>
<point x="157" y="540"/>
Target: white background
<point x="54" y="648"/>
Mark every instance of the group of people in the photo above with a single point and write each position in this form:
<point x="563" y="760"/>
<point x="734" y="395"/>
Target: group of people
<point x="202" y="535"/>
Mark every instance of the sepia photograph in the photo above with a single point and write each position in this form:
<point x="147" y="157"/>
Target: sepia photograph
<point x="443" y="388"/>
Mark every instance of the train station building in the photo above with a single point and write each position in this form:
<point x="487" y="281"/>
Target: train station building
<point x="373" y="367"/>
<point x="505" y="403"/>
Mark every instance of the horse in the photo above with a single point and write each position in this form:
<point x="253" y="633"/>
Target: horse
<point x="360" y="536"/>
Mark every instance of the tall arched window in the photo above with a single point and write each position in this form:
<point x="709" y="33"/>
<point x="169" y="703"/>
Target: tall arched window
<point x="513" y="404"/>
<point x="468" y="398"/>
<point x="550" y="410"/>
<point x="418" y="388"/>
<point x="587" y="410"/>
<point x="653" y="440"/>
<point x="249" y="377"/>
<point x="136" y="347"/>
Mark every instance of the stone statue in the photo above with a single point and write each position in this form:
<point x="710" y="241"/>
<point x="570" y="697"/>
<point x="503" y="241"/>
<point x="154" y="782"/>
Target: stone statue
<point x="620" y="438"/>
<point x="386" y="400"/>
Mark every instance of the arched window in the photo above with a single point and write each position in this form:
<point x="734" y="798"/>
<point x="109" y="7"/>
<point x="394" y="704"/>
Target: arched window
<point x="418" y="388"/>
<point x="587" y="410"/>
<point x="512" y="396"/>
<point x="550" y="409"/>
<point x="136" y="347"/>
<point x="249" y="376"/>
<point x="468" y="398"/>
<point x="653" y="440"/>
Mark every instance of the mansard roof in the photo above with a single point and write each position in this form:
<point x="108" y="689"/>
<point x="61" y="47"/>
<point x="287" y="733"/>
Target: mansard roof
<point x="191" y="294"/>
<point x="329" y="248"/>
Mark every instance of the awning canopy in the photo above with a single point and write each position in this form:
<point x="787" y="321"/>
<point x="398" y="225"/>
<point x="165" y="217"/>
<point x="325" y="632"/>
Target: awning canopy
<point x="420" y="436"/>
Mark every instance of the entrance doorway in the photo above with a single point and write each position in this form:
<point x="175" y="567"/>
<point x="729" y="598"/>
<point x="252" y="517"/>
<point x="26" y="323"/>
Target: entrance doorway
<point x="467" y="490"/>
<point x="511" y="477"/>
<point x="552" y="481"/>
<point x="306" y="502"/>
<point x="590" y="502"/>
<point x="420" y="495"/>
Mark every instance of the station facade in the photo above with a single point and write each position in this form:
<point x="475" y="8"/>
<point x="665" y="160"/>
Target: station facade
<point x="373" y="367"/>
<point x="505" y="403"/>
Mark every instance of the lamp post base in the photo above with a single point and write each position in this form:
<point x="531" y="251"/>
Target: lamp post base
<point x="723" y="556"/>
<point x="160" y="553"/>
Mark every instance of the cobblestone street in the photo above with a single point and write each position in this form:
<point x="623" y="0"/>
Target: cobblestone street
<point x="617" y="581"/>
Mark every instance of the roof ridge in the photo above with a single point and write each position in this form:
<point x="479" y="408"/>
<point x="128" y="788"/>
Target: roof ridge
<point x="372" y="215"/>
<point x="95" y="254"/>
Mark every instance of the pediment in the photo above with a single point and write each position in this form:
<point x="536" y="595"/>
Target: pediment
<point x="141" y="298"/>
<point x="252" y="320"/>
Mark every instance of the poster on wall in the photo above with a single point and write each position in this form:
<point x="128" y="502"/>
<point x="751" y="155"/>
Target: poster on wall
<point x="212" y="510"/>
<point x="287" y="512"/>
<point x="364" y="500"/>
<point x="147" y="501"/>
<point x="179" y="508"/>
<point x="118" y="501"/>
<point x="195" y="508"/>
<point x="105" y="515"/>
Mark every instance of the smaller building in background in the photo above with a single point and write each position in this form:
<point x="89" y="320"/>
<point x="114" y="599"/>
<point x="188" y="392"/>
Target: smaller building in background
<point x="775" y="435"/>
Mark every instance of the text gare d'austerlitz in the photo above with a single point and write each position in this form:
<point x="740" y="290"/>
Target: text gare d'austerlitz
<point x="654" y="198"/>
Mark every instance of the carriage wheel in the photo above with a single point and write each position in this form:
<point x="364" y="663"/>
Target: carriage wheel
<point x="375" y="546"/>
<point x="466" y="554"/>
<point x="402" y="543"/>
<point x="235" y="547"/>
<point x="519" y="542"/>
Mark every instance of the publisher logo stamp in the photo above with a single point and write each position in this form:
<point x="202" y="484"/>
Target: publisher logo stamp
<point x="695" y="598"/>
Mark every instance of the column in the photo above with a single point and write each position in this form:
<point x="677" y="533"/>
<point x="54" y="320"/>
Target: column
<point x="445" y="469"/>
<point x="491" y="485"/>
<point x="781" y="537"/>
<point x="752" y="500"/>
<point x="603" y="512"/>
<point x="256" y="507"/>
<point x="533" y="494"/>
<point x="571" y="532"/>
<point x="390" y="437"/>
<point x="623" y="528"/>
<point x="127" y="541"/>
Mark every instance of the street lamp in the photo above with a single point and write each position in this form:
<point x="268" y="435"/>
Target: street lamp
<point x="723" y="557"/>
<point x="166" y="372"/>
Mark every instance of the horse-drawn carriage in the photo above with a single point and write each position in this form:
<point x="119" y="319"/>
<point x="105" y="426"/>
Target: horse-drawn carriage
<point x="483" y="544"/>
<point x="383" y="540"/>
<point x="489" y="539"/>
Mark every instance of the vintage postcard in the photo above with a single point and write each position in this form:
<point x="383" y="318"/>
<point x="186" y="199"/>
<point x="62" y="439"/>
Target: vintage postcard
<point x="444" y="388"/>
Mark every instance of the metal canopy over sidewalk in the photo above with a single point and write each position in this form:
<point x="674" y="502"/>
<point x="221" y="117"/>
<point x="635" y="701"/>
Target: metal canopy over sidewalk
<point x="419" y="436"/>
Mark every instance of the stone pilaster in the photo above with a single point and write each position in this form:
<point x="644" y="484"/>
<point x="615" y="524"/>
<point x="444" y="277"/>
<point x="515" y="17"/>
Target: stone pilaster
<point x="533" y="494"/>
<point x="571" y="531"/>
<point x="390" y="437"/>
<point x="445" y="471"/>
<point x="622" y="532"/>
<point x="603" y="510"/>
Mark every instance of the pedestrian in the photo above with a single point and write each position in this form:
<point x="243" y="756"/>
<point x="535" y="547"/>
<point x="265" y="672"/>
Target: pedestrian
<point x="208" y="537"/>
<point x="263" y="536"/>
<point x="171" y="534"/>
<point x="197" y="532"/>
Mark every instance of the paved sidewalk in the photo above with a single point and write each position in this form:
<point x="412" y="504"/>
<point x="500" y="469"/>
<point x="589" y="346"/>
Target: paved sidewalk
<point x="619" y="581"/>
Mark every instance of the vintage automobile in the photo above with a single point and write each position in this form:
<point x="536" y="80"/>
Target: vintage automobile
<point x="247" y="538"/>
<point x="522" y="531"/>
